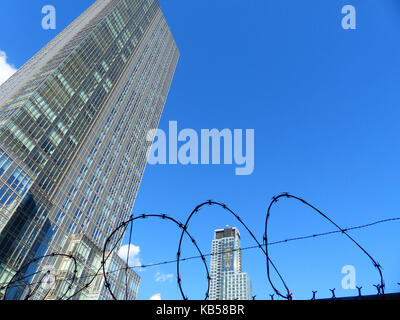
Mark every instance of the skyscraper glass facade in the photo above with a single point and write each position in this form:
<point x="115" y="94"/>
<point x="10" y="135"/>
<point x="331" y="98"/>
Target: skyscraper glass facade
<point x="73" y="126"/>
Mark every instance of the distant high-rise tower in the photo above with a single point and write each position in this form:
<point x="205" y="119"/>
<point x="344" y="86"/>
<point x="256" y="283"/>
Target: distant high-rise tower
<point x="228" y="282"/>
<point x="73" y="126"/>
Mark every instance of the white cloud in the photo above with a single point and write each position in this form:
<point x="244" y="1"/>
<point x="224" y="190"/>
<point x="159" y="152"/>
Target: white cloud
<point x="163" y="277"/>
<point x="156" y="297"/>
<point x="6" y="70"/>
<point x="134" y="259"/>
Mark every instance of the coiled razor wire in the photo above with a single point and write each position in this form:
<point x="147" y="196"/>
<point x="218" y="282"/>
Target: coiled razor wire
<point x="163" y="217"/>
<point x="343" y="231"/>
<point x="184" y="227"/>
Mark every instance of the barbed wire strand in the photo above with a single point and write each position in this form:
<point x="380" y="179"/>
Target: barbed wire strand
<point x="284" y="241"/>
<point x="263" y="247"/>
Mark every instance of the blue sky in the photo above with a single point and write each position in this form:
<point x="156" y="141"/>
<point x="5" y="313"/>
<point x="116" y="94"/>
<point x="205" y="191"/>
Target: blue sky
<point x="323" y="102"/>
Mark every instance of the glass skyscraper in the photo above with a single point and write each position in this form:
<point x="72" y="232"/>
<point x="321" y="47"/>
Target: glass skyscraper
<point x="73" y="149"/>
<point x="228" y="282"/>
